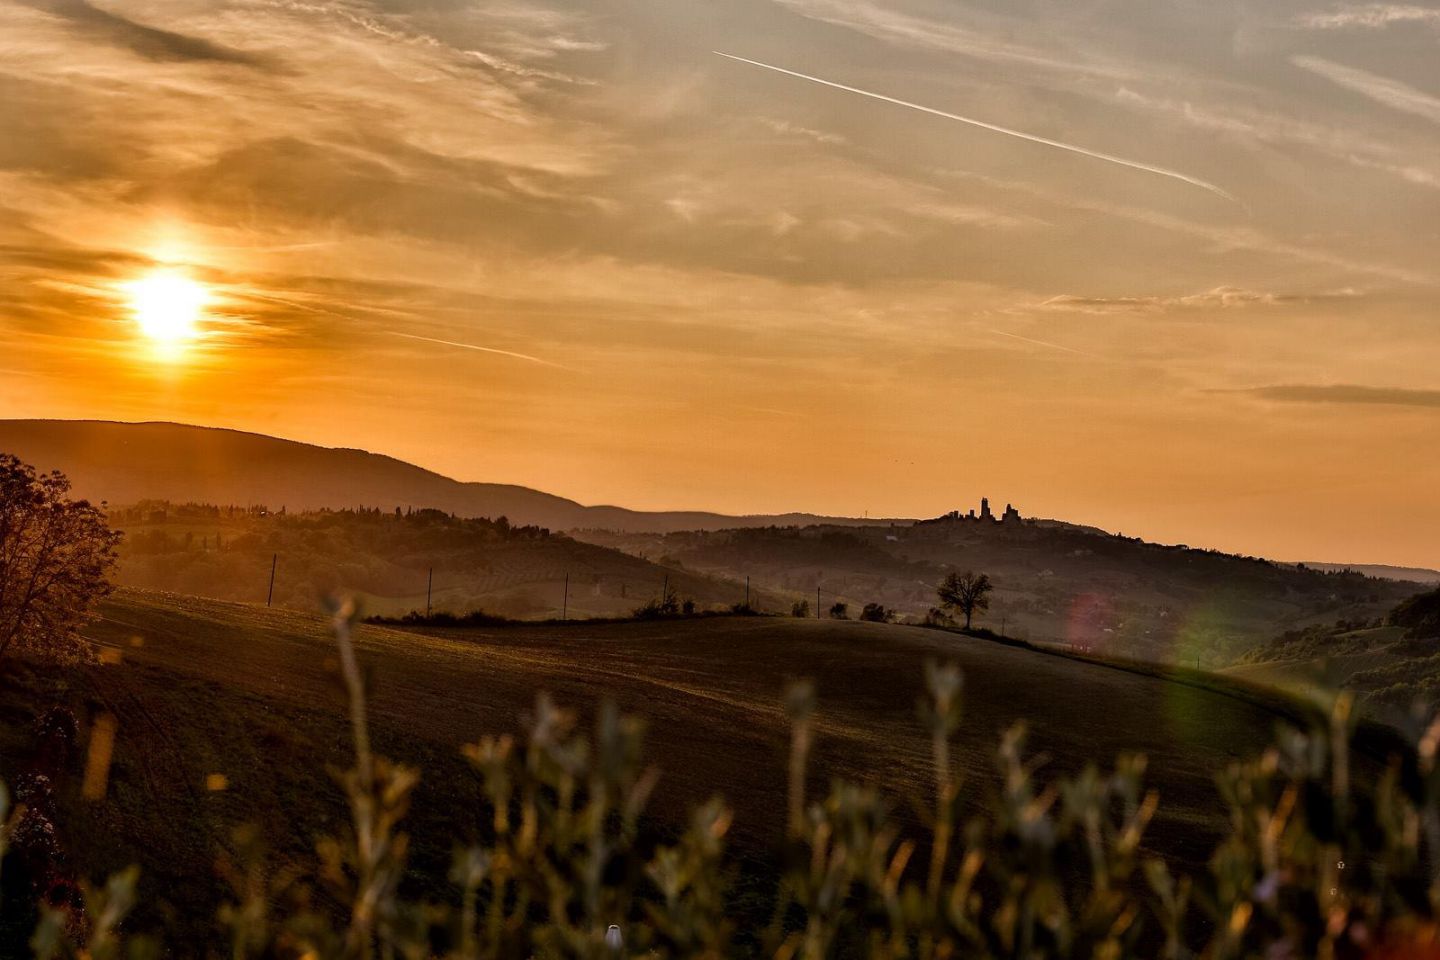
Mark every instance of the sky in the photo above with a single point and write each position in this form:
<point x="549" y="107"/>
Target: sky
<point x="1188" y="290"/>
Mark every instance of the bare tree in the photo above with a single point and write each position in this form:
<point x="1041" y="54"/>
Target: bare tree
<point x="968" y="592"/>
<point x="56" y="555"/>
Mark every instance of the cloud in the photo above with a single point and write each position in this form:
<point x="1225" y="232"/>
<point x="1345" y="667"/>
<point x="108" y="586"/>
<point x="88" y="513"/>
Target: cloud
<point x="981" y="41"/>
<point x="787" y="129"/>
<point x="1221" y="297"/>
<point x="1370" y="16"/>
<point x="1343" y="393"/>
<point x="150" y="42"/>
<point x="520" y="70"/>
<point x="348" y="74"/>
<point x="1391" y="93"/>
<point x="1248" y="126"/>
<point x="1220" y="237"/>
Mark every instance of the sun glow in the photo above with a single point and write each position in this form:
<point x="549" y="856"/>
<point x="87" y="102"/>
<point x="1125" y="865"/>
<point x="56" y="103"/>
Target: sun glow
<point x="168" y="305"/>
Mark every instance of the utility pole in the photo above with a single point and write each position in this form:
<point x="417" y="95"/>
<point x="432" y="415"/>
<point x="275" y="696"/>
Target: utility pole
<point x="817" y="602"/>
<point x="565" y="601"/>
<point x="747" y="591"/>
<point x="274" y="559"/>
<point x="429" y="582"/>
<point x="665" y="589"/>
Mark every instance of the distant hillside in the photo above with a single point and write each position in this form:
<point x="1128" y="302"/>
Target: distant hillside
<point x="1054" y="582"/>
<point x="1411" y="574"/>
<point x="389" y="560"/>
<point x="128" y="462"/>
<point x="1390" y="663"/>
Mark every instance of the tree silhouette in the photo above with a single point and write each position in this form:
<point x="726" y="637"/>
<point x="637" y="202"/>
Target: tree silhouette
<point x="967" y="592"/>
<point x="55" y="558"/>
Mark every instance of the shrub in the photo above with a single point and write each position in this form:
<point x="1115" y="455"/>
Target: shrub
<point x="57" y="734"/>
<point x="475" y="618"/>
<point x="937" y="617"/>
<point x="666" y="605"/>
<point x="1420" y="615"/>
<point x="876" y="613"/>
<point x="839" y="611"/>
<point x="800" y="609"/>
<point x="57" y="724"/>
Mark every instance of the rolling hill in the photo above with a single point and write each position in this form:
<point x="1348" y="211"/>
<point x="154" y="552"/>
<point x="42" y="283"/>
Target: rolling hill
<point x="1393" y="665"/>
<point x="126" y="462"/>
<point x="200" y="688"/>
<point x="1382" y="571"/>
<point x="1054" y="582"/>
<point x="394" y="563"/>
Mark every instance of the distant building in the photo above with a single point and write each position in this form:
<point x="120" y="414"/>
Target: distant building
<point x="955" y="516"/>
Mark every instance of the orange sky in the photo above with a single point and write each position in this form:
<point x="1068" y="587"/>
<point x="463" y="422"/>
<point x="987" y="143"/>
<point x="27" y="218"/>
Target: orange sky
<point x="698" y="283"/>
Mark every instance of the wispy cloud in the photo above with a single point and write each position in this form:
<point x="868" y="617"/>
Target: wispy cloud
<point x="1248" y="126"/>
<point x="1342" y="393"/>
<point x="987" y="40"/>
<point x="1391" y="93"/>
<point x="521" y="70"/>
<point x="1224" y="298"/>
<point x="150" y="42"/>
<point x="1220" y="237"/>
<point x="787" y="129"/>
<point x="1372" y="16"/>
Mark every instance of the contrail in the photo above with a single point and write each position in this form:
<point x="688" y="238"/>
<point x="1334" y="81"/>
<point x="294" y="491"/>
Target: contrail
<point x="1109" y="158"/>
<point x="1046" y="343"/>
<point x="472" y="346"/>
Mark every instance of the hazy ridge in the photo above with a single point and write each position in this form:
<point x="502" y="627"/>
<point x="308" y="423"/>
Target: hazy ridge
<point x="126" y="462"/>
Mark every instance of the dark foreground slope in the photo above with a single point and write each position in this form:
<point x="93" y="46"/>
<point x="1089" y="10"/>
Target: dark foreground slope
<point x="207" y="687"/>
<point x="126" y="462"/>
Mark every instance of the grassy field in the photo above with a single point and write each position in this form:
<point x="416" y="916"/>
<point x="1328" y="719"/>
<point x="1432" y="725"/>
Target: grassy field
<point x="210" y="687"/>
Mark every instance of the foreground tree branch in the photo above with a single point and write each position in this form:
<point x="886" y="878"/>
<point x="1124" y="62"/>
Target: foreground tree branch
<point x="56" y="555"/>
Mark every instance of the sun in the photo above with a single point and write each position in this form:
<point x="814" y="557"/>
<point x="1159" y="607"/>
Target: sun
<point x="168" y="305"/>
